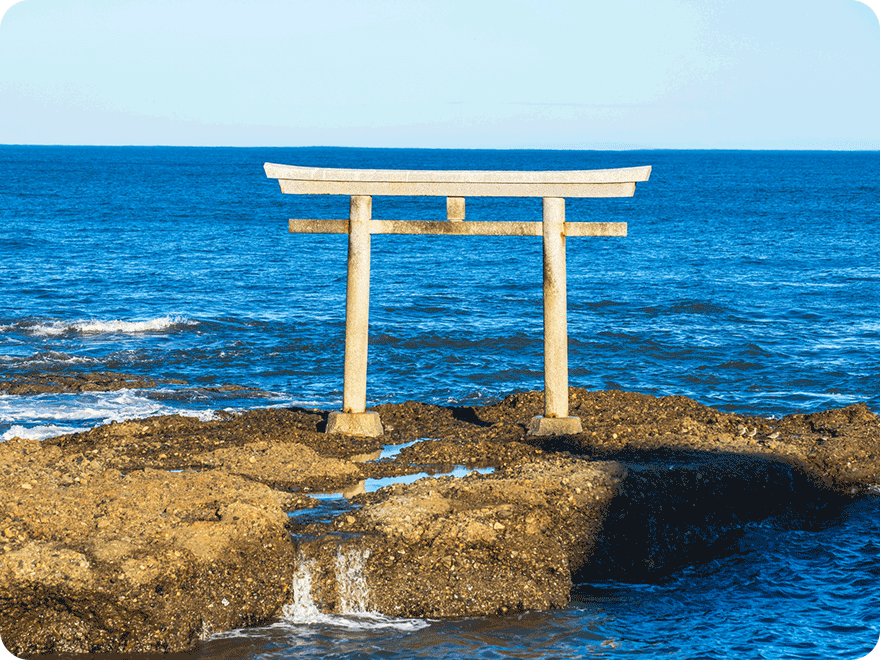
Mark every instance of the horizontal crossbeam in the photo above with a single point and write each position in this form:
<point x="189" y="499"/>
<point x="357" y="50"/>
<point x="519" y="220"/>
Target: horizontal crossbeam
<point x="463" y="189"/>
<point x="465" y="228"/>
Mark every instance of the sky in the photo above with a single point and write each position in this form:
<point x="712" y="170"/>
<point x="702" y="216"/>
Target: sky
<point x="587" y="74"/>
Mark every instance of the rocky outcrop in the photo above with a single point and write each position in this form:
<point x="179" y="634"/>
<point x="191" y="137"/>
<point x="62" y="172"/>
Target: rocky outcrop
<point x="521" y="538"/>
<point x="482" y="544"/>
<point x="288" y="466"/>
<point x="95" y="560"/>
<point x="148" y="535"/>
<point x="102" y="381"/>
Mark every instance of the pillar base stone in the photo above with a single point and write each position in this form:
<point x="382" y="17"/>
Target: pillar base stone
<point x="366" y="423"/>
<point x="555" y="425"/>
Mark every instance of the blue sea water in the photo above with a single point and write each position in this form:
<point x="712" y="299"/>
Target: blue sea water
<point x="749" y="281"/>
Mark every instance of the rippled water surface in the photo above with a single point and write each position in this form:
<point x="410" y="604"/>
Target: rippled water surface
<point x="749" y="281"/>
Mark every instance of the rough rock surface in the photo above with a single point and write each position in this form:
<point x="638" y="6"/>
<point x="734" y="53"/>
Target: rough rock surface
<point x="149" y="534"/>
<point x="97" y="560"/>
<point x="101" y="381"/>
<point x="475" y="545"/>
<point x="289" y="465"/>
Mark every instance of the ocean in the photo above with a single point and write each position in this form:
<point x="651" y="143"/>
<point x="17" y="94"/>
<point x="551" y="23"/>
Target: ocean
<point x="749" y="281"/>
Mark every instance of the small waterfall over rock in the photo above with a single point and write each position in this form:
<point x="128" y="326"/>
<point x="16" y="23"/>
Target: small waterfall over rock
<point x="302" y="607"/>
<point x="347" y="569"/>
<point x="351" y="582"/>
<point x="330" y="589"/>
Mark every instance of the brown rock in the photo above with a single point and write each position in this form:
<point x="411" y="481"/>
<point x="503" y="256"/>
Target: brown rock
<point x="135" y="562"/>
<point x="104" y="549"/>
<point x="289" y="465"/>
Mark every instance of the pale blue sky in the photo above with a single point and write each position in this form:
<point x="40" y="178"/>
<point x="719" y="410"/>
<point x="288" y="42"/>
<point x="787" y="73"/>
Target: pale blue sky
<point x="749" y="74"/>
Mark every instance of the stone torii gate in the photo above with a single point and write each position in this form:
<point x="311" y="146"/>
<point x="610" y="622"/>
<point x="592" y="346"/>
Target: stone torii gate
<point x="362" y="185"/>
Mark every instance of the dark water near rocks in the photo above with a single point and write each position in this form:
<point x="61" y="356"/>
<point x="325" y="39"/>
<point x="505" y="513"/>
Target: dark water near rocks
<point x="749" y="281"/>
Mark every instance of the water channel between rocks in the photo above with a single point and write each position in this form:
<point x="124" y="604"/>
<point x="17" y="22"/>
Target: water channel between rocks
<point x="353" y="606"/>
<point x="337" y="501"/>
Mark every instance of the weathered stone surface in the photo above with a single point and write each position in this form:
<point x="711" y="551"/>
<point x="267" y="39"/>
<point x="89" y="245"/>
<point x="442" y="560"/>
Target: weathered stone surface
<point x="356" y="423"/>
<point x="519" y="539"/>
<point x="95" y="560"/>
<point x="362" y="184"/>
<point x="477" y="545"/>
<point x="295" y="172"/>
<point x="106" y="546"/>
<point x="555" y="425"/>
<point x="289" y="466"/>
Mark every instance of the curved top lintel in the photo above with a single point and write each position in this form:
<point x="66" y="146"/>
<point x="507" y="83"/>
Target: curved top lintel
<point x="297" y="173"/>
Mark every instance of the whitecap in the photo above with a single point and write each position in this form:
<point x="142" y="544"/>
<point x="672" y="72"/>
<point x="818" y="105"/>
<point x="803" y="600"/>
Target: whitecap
<point x="52" y="330"/>
<point x="42" y="411"/>
<point x="44" y="358"/>
<point x="113" y="326"/>
<point x="132" y="327"/>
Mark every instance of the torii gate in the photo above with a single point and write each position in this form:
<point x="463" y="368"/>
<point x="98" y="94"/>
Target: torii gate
<point x="361" y="185"/>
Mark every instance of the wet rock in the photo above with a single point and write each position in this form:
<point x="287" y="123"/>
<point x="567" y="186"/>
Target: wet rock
<point x="147" y="534"/>
<point x="690" y="508"/>
<point x="68" y="382"/>
<point x="481" y="544"/>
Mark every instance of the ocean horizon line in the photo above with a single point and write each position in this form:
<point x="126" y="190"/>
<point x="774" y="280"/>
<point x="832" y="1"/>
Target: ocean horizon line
<point x="608" y="149"/>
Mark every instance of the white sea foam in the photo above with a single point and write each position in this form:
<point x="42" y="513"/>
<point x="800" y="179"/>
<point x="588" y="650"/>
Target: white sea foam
<point x="354" y="594"/>
<point x="302" y="607"/>
<point x="52" y="330"/>
<point x="114" y="326"/>
<point x="42" y="359"/>
<point x="38" y="432"/>
<point x="39" y="414"/>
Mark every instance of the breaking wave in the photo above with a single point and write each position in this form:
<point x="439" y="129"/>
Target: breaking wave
<point x="96" y="327"/>
<point x="38" y="416"/>
<point x="38" y="432"/>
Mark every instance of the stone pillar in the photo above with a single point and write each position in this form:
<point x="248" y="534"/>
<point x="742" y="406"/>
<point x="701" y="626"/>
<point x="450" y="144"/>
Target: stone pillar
<point x="556" y="420"/>
<point x="353" y="420"/>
